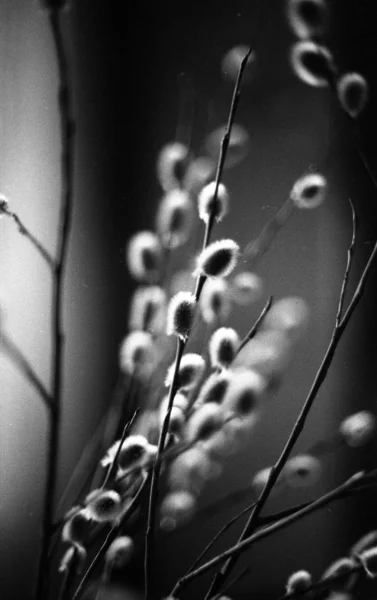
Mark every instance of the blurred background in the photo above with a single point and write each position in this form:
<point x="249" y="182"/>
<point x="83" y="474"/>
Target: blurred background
<point x="143" y="75"/>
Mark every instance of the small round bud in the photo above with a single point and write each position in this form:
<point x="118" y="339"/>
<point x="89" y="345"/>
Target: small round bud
<point x="144" y="256"/>
<point x="181" y="314"/>
<point x="175" y="218"/>
<point x="190" y="470"/>
<point x="171" y="165"/>
<point x="245" y="390"/>
<point x="302" y="470"/>
<point x="215" y="302"/>
<point x="358" y="429"/>
<point x="238" y="145"/>
<point x="190" y="371"/>
<point x="148" y="309"/>
<point x="309" y="191"/>
<point x="231" y="63"/>
<point x="135" y="451"/>
<point x="246" y="288"/>
<point x="289" y="315"/>
<point x="4" y="205"/>
<point x="260" y="479"/>
<point x="176" y="420"/>
<point x="76" y="529"/>
<point x="76" y="553"/>
<point x="364" y="543"/>
<point x="213" y="389"/>
<point x="137" y="354"/>
<point x="180" y="401"/>
<point x="198" y="174"/>
<point x="268" y="353"/>
<point x="307" y="18"/>
<point x="104" y="505"/>
<point x="368" y="559"/>
<point x="312" y="63"/>
<point x="223" y="346"/>
<point x="120" y="552"/>
<point x="299" y="582"/>
<point x="204" y="422"/>
<point x="176" y="507"/>
<point x="352" y="91"/>
<point x="343" y="570"/>
<point x="218" y="260"/>
<point x="209" y="206"/>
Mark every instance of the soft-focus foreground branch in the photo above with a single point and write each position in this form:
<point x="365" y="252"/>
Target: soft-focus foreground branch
<point x="181" y="343"/>
<point x="67" y="161"/>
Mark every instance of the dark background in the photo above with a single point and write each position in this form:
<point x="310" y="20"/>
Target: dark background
<point x="130" y="61"/>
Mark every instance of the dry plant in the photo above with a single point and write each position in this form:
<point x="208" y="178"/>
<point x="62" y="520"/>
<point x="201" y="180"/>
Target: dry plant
<point x="152" y="456"/>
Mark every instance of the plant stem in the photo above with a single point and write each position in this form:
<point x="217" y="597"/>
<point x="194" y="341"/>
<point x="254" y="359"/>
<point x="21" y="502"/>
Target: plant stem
<point x="31" y="237"/>
<point x="249" y="336"/>
<point x="301" y="420"/>
<point x="67" y="160"/>
<point x="354" y="482"/>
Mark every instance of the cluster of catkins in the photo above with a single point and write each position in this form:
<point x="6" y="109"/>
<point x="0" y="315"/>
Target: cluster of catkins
<point x="213" y="398"/>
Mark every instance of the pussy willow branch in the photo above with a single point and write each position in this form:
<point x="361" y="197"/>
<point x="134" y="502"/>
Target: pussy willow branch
<point x="67" y="161"/>
<point x="350" y="254"/>
<point x="32" y="239"/>
<point x="113" y="465"/>
<point x="113" y="533"/>
<point x="356" y="481"/>
<point x="22" y="363"/>
<point x="181" y="343"/>
<point x="249" y="336"/>
<point x="338" y="331"/>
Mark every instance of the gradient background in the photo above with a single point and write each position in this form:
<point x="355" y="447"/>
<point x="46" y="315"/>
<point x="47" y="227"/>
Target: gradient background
<point x="128" y="64"/>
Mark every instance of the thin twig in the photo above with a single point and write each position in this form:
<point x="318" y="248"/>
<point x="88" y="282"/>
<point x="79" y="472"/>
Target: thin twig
<point x="27" y="233"/>
<point x="108" y="540"/>
<point x="65" y="218"/>
<point x="22" y="363"/>
<point x="300" y="422"/>
<point x="350" y="254"/>
<point x="249" y="336"/>
<point x="113" y="464"/>
<point x="181" y="343"/>
<point x="355" y="481"/>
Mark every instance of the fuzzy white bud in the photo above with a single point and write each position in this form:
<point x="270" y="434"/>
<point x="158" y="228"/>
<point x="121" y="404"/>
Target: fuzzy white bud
<point x="298" y="582"/>
<point x="144" y="256"/>
<point x="104" y="505"/>
<point x="343" y="570"/>
<point x="312" y="63"/>
<point x="171" y="165"/>
<point x="307" y="18"/>
<point x="120" y="551"/>
<point x="219" y="259"/>
<point x="135" y="451"/>
<point x="358" y="429"/>
<point x="366" y="541"/>
<point x="302" y="470"/>
<point x="204" y="422"/>
<point x="215" y="302"/>
<point x="213" y="389"/>
<point x="176" y="507"/>
<point x="246" y="288"/>
<point x="352" y="91"/>
<point x="243" y="396"/>
<point x="223" y="346"/>
<point x="207" y="204"/>
<point x="309" y="191"/>
<point x="368" y="559"/>
<point x="77" y="527"/>
<point x="231" y="63"/>
<point x="180" y="401"/>
<point x="260" y="479"/>
<point x="190" y="371"/>
<point x="175" y="218"/>
<point x="238" y="148"/>
<point x="198" y="174"/>
<point x="148" y="309"/>
<point x="288" y="315"/>
<point x="181" y="314"/>
<point x="137" y="354"/>
<point x="190" y="470"/>
<point x="76" y="553"/>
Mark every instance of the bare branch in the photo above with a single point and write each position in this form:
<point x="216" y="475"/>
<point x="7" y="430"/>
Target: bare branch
<point x="249" y="336"/>
<point x="32" y="239"/>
